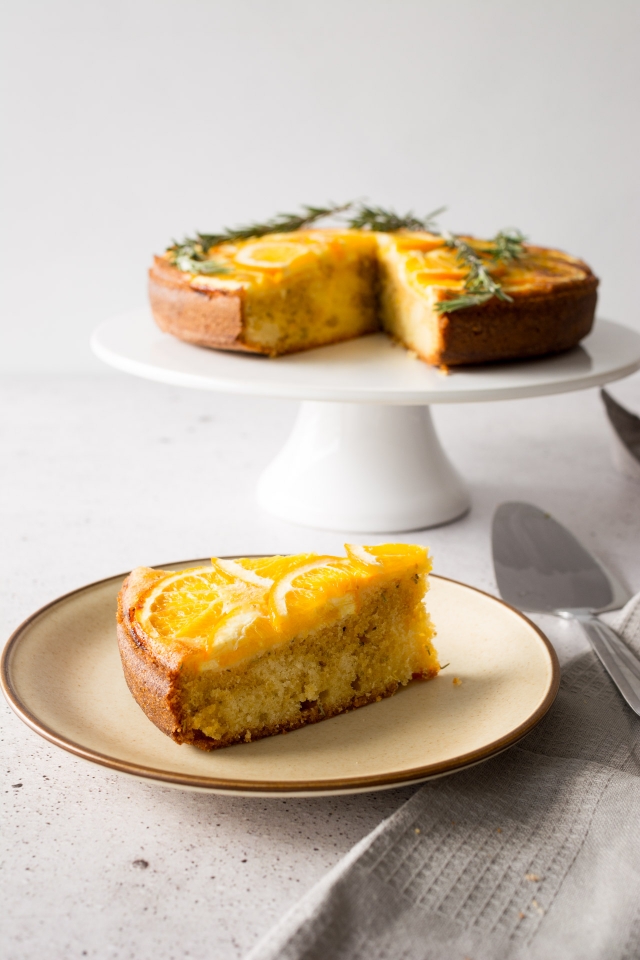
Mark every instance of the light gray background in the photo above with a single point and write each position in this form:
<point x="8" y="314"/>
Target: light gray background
<point x="127" y="123"/>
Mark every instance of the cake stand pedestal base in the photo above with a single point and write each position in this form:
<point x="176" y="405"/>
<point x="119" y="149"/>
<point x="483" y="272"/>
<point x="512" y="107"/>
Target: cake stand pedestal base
<point x="363" y="455"/>
<point x="366" y="468"/>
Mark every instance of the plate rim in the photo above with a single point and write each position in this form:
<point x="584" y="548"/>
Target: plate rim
<point x="269" y="788"/>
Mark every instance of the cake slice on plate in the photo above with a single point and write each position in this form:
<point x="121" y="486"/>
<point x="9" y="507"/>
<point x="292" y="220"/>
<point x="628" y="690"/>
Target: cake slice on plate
<point x="242" y="649"/>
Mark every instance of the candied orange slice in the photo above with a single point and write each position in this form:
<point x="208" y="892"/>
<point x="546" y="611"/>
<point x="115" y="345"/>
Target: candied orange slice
<point x="177" y="601"/>
<point x="252" y="602"/>
<point x="539" y="274"/>
<point x="192" y="604"/>
<point x="307" y="586"/>
<point x="275" y="255"/>
<point x="394" y="557"/>
<point x="435" y="267"/>
<point x="416" y="241"/>
<point x="236" y="570"/>
<point x="364" y="554"/>
<point x="443" y="263"/>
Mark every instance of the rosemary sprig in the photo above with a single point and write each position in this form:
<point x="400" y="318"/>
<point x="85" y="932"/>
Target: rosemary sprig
<point x="190" y="257"/>
<point x="508" y="245"/>
<point x="281" y="223"/>
<point x="191" y="254"/>
<point x="479" y="285"/>
<point x="388" y="221"/>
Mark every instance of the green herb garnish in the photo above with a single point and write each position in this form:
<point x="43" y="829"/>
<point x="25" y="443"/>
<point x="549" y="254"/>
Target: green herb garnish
<point x="191" y="255"/>
<point x="508" y="245"/>
<point x="281" y="223"/>
<point x="479" y="285"/>
<point x="388" y="221"/>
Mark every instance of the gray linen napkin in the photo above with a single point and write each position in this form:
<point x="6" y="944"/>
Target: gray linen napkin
<point x="534" y="854"/>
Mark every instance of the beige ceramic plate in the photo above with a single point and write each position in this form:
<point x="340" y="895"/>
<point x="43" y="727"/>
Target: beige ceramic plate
<point x="61" y="674"/>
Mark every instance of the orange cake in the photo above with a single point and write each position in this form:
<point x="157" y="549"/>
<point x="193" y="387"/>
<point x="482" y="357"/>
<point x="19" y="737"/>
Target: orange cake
<point x="451" y="300"/>
<point x="242" y="649"/>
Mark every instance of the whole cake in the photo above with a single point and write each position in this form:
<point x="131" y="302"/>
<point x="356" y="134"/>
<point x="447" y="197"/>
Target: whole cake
<point x="246" y="648"/>
<point x="450" y="299"/>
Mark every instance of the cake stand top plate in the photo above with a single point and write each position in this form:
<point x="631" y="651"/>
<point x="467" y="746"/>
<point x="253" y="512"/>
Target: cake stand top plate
<point x="371" y="369"/>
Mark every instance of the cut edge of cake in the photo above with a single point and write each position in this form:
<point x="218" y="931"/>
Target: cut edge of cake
<point x="536" y="323"/>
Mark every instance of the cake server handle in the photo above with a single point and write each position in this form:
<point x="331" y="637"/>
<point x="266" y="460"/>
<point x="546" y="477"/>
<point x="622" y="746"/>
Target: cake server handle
<point x="617" y="659"/>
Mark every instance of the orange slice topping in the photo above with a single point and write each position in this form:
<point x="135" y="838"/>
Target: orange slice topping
<point x="234" y="608"/>
<point x="275" y="255"/>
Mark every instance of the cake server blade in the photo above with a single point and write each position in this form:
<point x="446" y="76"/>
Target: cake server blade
<point x="625" y="424"/>
<point x="541" y="567"/>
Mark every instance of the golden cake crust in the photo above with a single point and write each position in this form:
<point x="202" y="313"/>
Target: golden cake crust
<point x="551" y="306"/>
<point x="533" y="325"/>
<point x="208" y="318"/>
<point x="151" y="681"/>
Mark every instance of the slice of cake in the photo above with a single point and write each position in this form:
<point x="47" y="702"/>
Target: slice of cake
<point x="551" y="305"/>
<point x="246" y="648"/>
<point x="276" y="294"/>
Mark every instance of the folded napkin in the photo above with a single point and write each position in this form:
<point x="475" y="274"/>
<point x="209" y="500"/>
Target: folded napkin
<point x="534" y="854"/>
<point x="626" y="623"/>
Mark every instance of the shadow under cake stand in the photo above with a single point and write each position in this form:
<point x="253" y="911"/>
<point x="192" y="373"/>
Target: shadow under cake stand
<point x="363" y="455"/>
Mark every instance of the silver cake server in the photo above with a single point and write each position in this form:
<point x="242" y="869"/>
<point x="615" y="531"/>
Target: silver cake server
<point x="625" y="423"/>
<point x="626" y="436"/>
<point x="541" y="567"/>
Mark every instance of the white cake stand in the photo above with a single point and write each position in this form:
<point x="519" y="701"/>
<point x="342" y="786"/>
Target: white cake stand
<point x="363" y="455"/>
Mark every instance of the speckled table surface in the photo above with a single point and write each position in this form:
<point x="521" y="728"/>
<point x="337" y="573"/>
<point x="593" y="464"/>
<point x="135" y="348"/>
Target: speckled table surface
<point x="101" y="474"/>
